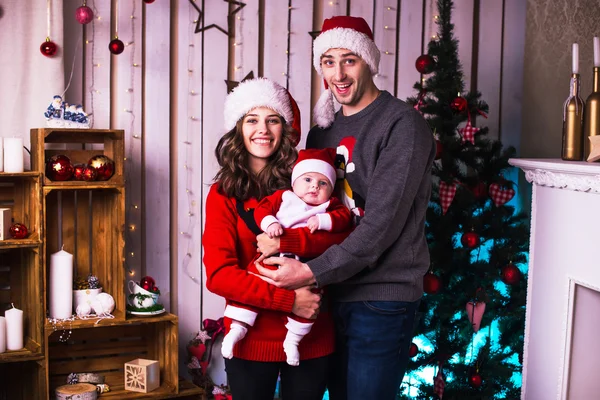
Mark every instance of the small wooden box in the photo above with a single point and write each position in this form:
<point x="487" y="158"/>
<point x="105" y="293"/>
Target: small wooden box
<point x="142" y="375"/>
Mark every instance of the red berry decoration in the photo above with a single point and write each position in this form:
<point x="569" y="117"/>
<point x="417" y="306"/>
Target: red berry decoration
<point x="155" y="289"/>
<point x="459" y="104"/>
<point x="475" y="380"/>
<point x="511" y="274"/>
<point x="470" y="240"/>
<point x="431" y="283"/>
<point x="59" y="168"/>
<point x="78" y="171"/>
<point x="116" y="46"/>
<point x="147" y="283"/>
<point x="413" y="350"/>
<point x="48" y="48"/>
<point x="18" y="231"/>
<point x="438" y="149"/>
<point x="425" y="64"/>
<point x="84" y="15"/>
<point x="104" y="166"/>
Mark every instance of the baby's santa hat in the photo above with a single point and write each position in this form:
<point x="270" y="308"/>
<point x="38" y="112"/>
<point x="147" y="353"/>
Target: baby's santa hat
<point x="342" y="32"/>
<point x="315" y="160"/>
<point x="261" y="92"/>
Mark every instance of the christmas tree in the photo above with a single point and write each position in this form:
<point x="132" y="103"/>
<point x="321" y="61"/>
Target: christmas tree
<point x="469" y="338"/>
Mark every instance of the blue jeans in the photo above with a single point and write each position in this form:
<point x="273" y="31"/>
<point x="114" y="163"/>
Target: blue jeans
<point x="372" y="343"/>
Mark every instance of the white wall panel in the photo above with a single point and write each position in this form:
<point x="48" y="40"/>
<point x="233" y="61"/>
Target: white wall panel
<point x="246" y="39"/>
<point x="384" y="30"/>
<point x="410" y="47"/>
<point x="276" y="42"/>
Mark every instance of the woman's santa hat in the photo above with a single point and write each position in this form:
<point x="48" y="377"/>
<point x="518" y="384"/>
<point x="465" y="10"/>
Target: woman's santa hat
<point x="315" y="160"/>
<point x="261" y="92"/>
<point x="342" y="32"/>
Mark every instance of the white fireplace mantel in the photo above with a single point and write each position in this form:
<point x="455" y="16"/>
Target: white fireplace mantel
<point x="561" y="354"/>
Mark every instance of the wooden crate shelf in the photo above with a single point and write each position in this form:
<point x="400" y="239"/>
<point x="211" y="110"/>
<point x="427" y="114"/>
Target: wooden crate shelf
<point x="89" y="223"/>
<point x="20" y="281"/>
<point x="106" y="350"/>
<point x="24" y="380"/>
<point x="22" y="194"/>
<point x="79" y="145"/>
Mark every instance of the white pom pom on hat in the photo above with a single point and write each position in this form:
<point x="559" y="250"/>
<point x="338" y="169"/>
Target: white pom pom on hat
<point x="342" y="32"/>
<point x="261" y="92"/>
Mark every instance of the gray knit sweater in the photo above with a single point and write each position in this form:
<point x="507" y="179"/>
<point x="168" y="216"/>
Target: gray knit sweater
<point x="389" y="162"/>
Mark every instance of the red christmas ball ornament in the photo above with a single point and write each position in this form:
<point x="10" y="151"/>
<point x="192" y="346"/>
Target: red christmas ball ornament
<point x="431" y="283"/>
<point x="59" y="168"/>
<point x="413" y="350"/>
<point x="147" y="283"/>
<point x="104" y="166"/>
<point x="510" y="274"/>
<point x="148" y="1"/>
<point x="48" y="48"/>
<point x="470" y="240"/>
<point x="18" y="231"/>
<point x="475" y="380"/>
<point x="84" y="15"/>
<point x="78" y="171"/>
<point x="89" y="174"/>
<point x="116" y="46"/>
<point x="155" y="289"/>
<point x="459" y="104"/>
<point x="425" y="64"/>
<point x="438" y="149"/>
<point x="479" y="190"/>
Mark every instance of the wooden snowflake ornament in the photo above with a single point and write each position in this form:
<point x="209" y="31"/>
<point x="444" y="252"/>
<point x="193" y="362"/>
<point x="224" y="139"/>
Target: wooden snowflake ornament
<point x="142" y="375"/>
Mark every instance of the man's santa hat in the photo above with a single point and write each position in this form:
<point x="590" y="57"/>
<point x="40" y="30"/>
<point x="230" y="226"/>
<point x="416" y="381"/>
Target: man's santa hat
<point x="315" y="160"/>
<point x="342" y="32"/>
<point x="261" y="92"/>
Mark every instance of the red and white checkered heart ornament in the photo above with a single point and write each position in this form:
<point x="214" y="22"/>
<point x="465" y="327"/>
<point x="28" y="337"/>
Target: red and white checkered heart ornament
<point x="500" y="194"/>
<point x="447" y="192"/>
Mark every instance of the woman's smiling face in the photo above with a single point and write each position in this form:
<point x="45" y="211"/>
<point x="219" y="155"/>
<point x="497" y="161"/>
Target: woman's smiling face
<point x="262" y="129"/>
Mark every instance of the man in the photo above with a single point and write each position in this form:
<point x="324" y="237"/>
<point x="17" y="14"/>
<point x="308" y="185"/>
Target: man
<point x="375" y="277"/>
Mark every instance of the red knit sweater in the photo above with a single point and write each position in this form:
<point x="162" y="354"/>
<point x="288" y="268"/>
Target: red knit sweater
<point x="229" y="246"/>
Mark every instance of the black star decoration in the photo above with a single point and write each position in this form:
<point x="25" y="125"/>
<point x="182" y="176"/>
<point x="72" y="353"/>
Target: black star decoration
<point x="233" y="84"/>
<point x="198" y="29"/>
<point x="314" y="34"/>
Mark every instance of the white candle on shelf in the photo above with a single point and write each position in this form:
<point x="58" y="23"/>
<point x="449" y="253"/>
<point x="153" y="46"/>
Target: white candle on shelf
<point x="14" y="328"/>
<point x="2" y="334"/>
<point x="575" y="58"/>
<point x="61" y="285"/>
<point x="13" y="155"/>
<point x="596" y="51"/>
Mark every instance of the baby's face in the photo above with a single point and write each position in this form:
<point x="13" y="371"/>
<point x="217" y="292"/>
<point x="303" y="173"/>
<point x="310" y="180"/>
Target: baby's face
<point x="313" y="188"/>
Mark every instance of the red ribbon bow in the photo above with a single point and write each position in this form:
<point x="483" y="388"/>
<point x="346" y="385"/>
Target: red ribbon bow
<point x="213" y="327"/>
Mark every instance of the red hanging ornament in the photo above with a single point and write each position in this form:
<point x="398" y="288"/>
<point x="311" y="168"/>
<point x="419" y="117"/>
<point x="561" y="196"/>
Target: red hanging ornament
<point x="475" y="380"/>
<point x="18" y="231"/>
<point x="59" y="168"/>
<point x="438" y="149"/>
<point x="116" y="46"/>
<point x="413" y="350"/>
<point x="501" y="193"/>
<point x="84" y="15"/>
<point x="431" y="283"/>
<point x="511" y="275"/>
<point x="148" y="1"/>
<point x="104" y="166"/>
<point x="425" y="64"/>
<point x="459" y="104"/>
<point x="447" y="192"/>
<point x="470" y="240"/>
<point x="78" y="171"/>
<point x="147" y="283"/>
<point x="48" y="48"/>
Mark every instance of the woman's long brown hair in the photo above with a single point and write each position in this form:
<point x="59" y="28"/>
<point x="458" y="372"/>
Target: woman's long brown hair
<point x="235" y="178"/>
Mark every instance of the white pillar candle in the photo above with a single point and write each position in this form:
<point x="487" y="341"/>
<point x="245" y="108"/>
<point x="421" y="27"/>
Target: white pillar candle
<point x="14" y="328"/>
<point x="2" y="334"/>
<point x="575" y="59"/>
<point x="61" y="285"/>
<point x="13" y="155"/>
<point x="596" y="51"/>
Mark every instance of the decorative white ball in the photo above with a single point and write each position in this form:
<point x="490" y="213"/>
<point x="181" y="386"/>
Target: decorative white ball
<point x="104" y="303"/>
<point x="83" y="310"/>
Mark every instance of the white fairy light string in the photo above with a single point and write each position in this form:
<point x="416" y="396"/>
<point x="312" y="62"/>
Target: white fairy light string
<point x="191" y="126"/>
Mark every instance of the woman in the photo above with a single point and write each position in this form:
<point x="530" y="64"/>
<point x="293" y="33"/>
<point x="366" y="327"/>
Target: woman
<point x="256" y="156"/>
